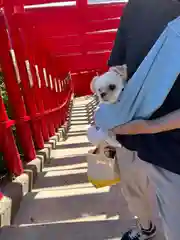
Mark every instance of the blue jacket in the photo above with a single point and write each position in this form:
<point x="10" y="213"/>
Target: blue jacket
<point x="141" y="25"/>
<point x="148" y="88"/>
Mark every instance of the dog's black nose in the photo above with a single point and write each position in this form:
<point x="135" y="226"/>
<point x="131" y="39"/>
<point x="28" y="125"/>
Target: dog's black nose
<point x="103" y="94"/>
<point x="112" y="87"/>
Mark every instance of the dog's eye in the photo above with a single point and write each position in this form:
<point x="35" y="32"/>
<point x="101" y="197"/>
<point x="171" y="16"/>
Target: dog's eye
<point x="112" y="87"/>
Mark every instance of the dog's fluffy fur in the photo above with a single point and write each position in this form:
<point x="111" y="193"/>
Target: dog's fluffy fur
<point x="109" y="85"/>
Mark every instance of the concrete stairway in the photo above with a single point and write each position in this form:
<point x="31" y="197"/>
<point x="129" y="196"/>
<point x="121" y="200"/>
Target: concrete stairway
<point x="62" y="204"/>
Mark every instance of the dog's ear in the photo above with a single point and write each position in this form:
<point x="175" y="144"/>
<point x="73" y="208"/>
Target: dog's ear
<point x="121" y="70"/>
<point x="122" y="67"/>
<point x="92" y="84"/>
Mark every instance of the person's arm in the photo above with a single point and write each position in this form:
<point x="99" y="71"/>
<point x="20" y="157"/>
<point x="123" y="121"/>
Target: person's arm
<point x="169" y="122"/>
<point x="118" y="53"/>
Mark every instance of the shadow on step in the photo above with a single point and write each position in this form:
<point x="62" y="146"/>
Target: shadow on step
<point x="74" y="145"/>
<point x="45" y="180"/>
<point x="77" y="133"/>
<point x="97" y="230"/>
<point x="79" y="124"/>
<point x="70" y="134"/>
<point x="77" y="115"/>
<point x="66" y="205"/>
<point x="55" y="162"/>
<point x="79" y="110"/>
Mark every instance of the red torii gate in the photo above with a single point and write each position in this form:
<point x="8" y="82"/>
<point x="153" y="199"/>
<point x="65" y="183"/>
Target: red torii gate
<point x="78" y="37"/>
<point x="39" y="47"/>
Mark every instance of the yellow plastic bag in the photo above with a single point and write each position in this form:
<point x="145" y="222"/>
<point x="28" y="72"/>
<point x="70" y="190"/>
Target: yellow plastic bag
<point x="102" y="170"/>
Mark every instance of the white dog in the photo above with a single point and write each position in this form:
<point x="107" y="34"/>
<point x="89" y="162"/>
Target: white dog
<point x="109" y="85"/>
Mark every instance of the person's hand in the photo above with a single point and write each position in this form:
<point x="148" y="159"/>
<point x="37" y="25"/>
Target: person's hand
<point x="109" y="151"/>
<point x="109" y="148"/>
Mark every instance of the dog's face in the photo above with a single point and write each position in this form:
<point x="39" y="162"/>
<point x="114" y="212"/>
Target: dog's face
<point x="108" y="86"/>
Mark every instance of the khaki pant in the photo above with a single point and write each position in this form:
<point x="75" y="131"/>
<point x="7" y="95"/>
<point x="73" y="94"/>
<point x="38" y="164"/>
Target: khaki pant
<point x="135" y="186"/>
<point x="167" y="186"/>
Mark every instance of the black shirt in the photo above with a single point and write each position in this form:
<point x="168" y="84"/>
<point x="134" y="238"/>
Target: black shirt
<point x="142" y="23"/>
<point x="163" y="149"/>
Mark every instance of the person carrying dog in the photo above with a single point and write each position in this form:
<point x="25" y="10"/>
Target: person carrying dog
<point x="156" y="141"/>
